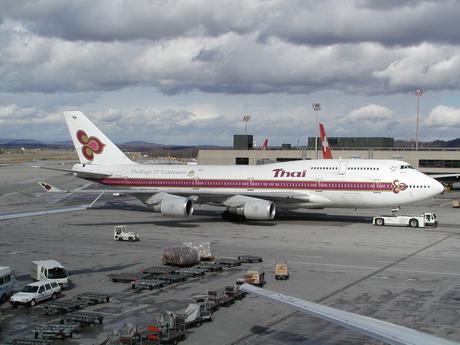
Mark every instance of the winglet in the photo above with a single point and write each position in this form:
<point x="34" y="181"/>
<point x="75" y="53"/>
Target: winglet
<point x="49" y="188"/>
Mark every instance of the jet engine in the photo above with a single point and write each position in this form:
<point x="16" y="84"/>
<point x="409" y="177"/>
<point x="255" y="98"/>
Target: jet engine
<point x="173" y="205"/>
<point x="256" y="210"/>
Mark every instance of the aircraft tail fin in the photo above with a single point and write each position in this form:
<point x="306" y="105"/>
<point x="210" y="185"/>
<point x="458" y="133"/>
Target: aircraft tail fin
<point x="91" y="144"/>
<point x="265" y="144"/>
<point x="327" y="153"/>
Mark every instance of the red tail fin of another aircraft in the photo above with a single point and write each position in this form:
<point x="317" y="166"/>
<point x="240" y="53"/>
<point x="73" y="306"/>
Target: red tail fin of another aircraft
<point x="327" y="153"/>
<point x="265" y="144"/>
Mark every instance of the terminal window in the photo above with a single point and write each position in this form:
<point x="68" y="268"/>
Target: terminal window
<point x="438" y="163"/>
<point x="242" y="161"/>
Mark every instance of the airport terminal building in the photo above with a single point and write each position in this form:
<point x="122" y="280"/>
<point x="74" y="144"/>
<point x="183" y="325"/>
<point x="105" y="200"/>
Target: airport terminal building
<point x="430" y="160"/>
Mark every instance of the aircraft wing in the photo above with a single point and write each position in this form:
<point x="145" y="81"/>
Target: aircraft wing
<point x="446" y="177"/>
<point x="209" y="196"/>
<point x="377" y="329"/>
<point x="5" y="216"/>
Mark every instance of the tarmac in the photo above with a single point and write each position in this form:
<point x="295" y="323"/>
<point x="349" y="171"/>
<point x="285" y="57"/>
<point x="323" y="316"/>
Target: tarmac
<point x="336" y="257"/>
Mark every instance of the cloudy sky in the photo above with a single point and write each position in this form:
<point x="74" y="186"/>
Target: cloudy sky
<point x="185" y="72"/>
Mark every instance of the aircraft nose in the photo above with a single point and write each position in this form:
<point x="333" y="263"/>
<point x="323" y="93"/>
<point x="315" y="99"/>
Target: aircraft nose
<point x="438" y="188"/>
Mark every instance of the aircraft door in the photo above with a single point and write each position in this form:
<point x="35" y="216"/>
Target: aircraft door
<point x="250" y="183"/>
<point x="377" y="185"/>
<point x="343" y="167"/>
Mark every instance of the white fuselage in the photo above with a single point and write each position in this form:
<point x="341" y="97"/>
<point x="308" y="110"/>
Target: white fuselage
<point x="326" y="183"/>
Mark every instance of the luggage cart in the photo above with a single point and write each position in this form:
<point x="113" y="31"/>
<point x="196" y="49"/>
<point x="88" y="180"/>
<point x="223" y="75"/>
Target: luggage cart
<point x="192" y="271"/>
<point x="126" y="277"/>
<point x="249" y="259"/>
<point x="150" y="284"/>
<point x="61" y="307"/>
<point x="83" y="319"/>
<point x="227" y="262"/>
<point x="210" y="266"/>
<point x="25" y="341"/>
<point x="55" y="331"/>
<point x="93" y="298"/>
<point x="157" y="270"/>
<point x="172" y="278"/>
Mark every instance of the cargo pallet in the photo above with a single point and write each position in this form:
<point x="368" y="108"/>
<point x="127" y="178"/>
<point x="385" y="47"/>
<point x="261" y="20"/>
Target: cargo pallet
<point x="126" y="277"/>
<point x="249" y="259"/>
<point x="55" y="331"/>
<point x="25" y="341"/>
<point x="93" y="298"/>
<point x="83" y="319"/>
<point x="61" y="307"/>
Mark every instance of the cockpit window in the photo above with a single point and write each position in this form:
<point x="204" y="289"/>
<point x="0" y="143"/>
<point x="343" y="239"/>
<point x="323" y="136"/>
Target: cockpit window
<point x="407" y="167"/>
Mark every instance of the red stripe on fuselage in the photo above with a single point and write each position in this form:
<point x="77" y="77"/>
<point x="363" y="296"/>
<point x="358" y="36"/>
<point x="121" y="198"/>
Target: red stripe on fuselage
<point x="252" y="184"/>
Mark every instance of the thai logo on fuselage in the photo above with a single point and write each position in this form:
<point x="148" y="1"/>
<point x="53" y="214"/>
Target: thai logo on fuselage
<point x="398" y="186"/>
<point x="285" y="173"/>
<point x="91" y="145"/>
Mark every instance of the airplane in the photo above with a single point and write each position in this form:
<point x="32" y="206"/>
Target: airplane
<point x="374" y="328"/>
<point x="254" y="192"/>
<point x="327" y="154"/>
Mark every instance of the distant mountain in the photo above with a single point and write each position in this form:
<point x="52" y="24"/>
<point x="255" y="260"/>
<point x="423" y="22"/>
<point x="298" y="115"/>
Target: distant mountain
<point x="137" y="145"/>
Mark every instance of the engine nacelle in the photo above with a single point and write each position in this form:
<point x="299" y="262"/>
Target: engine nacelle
<point x="256" y="210"/>
<point x="173" y="205"/>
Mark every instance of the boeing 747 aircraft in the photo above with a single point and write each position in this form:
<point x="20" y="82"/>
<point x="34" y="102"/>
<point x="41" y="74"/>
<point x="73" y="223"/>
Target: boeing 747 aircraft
<point x="254" y="192"/>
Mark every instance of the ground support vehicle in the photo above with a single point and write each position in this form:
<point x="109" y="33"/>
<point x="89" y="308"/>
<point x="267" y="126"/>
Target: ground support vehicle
<point x="126" y="277"/>
<point x="172" y="327"/>
<point x="119" y="234"/>
<point x="62" y="307"/>
<point x="7" y="283"/>
<point x="227" y="262"/>
<point x="36" y="292"/>
<point x="234" y="292"/>
<point x="55" y="331"/>
<point x="254" y="277"/>
<point x="83" y="318"/>
<point x="148" y="284"/>
<point x="281" y="271"/>
<point x="50" y="270"/>
<point x="426" y="219"/>
<point x="93" y="298"/>
<point x="249" y="259"/>
<point x="25" y="341"/>
<point x="195" y="315"/>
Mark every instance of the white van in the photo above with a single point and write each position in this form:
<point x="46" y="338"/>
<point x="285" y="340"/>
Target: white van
<point x="7" y="283"/>
<point x="50" y="270"/>
<point x="36" y="292"/>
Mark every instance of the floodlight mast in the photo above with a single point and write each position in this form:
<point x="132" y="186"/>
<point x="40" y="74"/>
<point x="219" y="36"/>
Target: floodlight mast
<point x="246" y="119"/>
<point x="316" y="108"/>
<point x="419" y="94"/>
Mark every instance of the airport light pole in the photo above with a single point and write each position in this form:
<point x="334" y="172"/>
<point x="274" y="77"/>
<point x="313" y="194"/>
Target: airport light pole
<point x="316" y="108"/>
<point x="418" y="93"/>
<point x="246" y="119"/>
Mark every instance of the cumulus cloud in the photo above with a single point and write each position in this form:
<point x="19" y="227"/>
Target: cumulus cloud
<point x="371" y="113"/>
<point x="443" y="116"/>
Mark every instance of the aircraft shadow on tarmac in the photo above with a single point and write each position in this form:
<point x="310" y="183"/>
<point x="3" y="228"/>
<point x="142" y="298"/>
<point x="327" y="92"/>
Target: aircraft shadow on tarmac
<point x="212" y="216"/>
